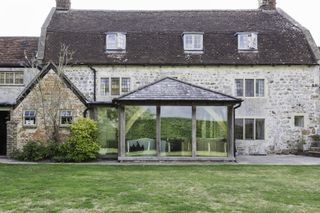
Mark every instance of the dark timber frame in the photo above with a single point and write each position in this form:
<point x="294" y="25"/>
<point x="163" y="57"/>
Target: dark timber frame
<point x="174" y="98"/>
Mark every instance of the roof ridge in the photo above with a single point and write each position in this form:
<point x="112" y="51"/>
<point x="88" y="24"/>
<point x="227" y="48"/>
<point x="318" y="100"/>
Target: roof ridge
<point x="166" y="10"/>
<point x="200" y="87"/>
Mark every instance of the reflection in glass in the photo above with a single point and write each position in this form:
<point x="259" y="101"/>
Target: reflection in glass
<point x="211" y="131"/>
<point x="108" y="130"/>
<point x="249" y="128"/>
<point x="176" y="131"/>
<point x="140" y="130"/>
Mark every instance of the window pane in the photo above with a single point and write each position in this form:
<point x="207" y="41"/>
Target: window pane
<point x="29" y="118"/>
<point x="125" y="85"/>
<point x="299" y="121"/>
<point x="211" y="131"/>
<point x="239" y="129"/>
<point x="9" y="77"/>
<point x="259" y="129"/>
<point x="115" y="86"/>
<point x="249" y="129"/>
<point x="260" y="88"/>
<point x="19" y="78"/>
<point x="140" y="129"/>
<point x="121" y="41"/>
<point x="249" y="88"/>
<point x="111" y="41"/>
<point x="66" y="117"/>
<point x="198" y="42"/>
<point x="239" y="87"/>
<point x="243" y="42"/>
<point x="108" y="130"/>
<point x="2" y="77"/>
<point x="176" y="131"/>
<point x="188" y="42"/>
<point x="104" y="86"/>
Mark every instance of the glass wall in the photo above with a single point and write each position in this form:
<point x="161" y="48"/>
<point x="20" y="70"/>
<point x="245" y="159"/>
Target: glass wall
<point x="140" y="130"/>
<point x="212" y="130"/>
<point x="107" y="119"/>
<point x="176" y="131"/>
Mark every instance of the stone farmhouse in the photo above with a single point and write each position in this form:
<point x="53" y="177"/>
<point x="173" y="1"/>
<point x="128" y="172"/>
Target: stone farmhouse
<point x="166" y="85"/>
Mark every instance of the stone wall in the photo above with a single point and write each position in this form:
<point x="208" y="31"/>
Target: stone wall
<point x="290" y="91"/>
<point x="68" y="101"/>
<point x="11" y="137"/>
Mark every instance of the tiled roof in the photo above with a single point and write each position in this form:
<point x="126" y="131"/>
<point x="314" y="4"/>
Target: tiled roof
<point x="170" y="89"/>
<point x="155" y="37"/>
<point x="13" y="50"/>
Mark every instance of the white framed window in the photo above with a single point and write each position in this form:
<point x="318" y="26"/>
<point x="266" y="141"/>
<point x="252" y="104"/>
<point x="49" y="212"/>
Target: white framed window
<point x="66" y="117"/>
<point x="250" y="129"/>
<point x="29" y="118"/>
<point x="193" y="41"/>
<point x="114" y="86"/>
<point x="11" y="78"/>
<point x="299" y="121"/>
<point x="104" y="86"/>
<point x="125" y="85"/>
<point x="250" y="87"/>
<point x="247" y="41"/>
<point x="116" y="41"/>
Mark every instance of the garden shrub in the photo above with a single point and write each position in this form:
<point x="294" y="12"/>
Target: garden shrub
<point x="32" y="151"/>
<point x="82" y="145"/>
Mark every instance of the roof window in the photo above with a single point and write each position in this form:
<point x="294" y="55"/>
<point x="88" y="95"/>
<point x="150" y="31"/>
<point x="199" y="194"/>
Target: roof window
<point x="247" y="41"/>
<point x="193" y="42"/>
<point x="116" y="41"/>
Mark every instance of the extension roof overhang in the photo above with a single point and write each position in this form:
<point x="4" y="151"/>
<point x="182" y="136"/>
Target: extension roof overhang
<point x="176" y="92"/>
<point x="155" y="37"/>
<point x="43" y="73"/>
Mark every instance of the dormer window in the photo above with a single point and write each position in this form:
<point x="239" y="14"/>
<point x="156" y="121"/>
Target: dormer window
<point x="193" y="42"/>
<point x="116" y="41"/>
<point x="247" y="41"/>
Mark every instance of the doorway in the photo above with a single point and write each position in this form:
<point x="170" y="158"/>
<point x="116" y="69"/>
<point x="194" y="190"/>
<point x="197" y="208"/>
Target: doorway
<point x="4" y="117"/>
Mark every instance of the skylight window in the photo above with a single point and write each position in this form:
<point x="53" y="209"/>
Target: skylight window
<point x="193" y="41"/>
<point x="116" y="41"/>
<point x="247" y="41"/>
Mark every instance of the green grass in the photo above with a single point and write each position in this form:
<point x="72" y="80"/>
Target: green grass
<point x="154" y="188"/>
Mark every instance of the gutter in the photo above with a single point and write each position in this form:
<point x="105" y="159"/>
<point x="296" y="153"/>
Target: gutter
<point x="94" y="83"/>
<point x="234" y="134"/>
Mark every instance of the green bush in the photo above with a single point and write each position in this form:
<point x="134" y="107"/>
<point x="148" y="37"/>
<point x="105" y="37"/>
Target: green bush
<point x="82" y="145"/>
<point x="32" y="151"/>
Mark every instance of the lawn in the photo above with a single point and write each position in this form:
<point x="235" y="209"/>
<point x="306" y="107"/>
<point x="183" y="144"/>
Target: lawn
<point x="154" y="188"/>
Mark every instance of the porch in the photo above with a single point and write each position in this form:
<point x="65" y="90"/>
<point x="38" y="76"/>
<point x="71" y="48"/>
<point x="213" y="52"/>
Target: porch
<point x="170" y="120"/>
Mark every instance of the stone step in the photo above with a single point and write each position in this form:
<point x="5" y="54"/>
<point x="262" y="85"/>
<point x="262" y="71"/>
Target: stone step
<point x="315" y="149"/>
<point x="314" y="153"/>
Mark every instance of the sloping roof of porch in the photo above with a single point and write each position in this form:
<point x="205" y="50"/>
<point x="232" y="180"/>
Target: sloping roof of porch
<point x="174" y="90"/>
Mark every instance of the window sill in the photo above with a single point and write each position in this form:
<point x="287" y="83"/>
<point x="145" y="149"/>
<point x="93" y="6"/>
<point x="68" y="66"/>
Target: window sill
<point x="248" y="51"/>
<point x="12" y="85"/>
<point x="116" y="51"/>
<point x="30" y="126"/>
<point x="194" y="52"/>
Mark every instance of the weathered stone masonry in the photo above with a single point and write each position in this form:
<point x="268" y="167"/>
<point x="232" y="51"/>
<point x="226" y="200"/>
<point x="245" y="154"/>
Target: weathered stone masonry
<point x="31" y="102"/>
<point x="290" y="91"/>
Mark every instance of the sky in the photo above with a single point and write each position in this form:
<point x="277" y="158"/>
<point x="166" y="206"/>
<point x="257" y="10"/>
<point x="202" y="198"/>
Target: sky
<point x="25" y="17"/>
